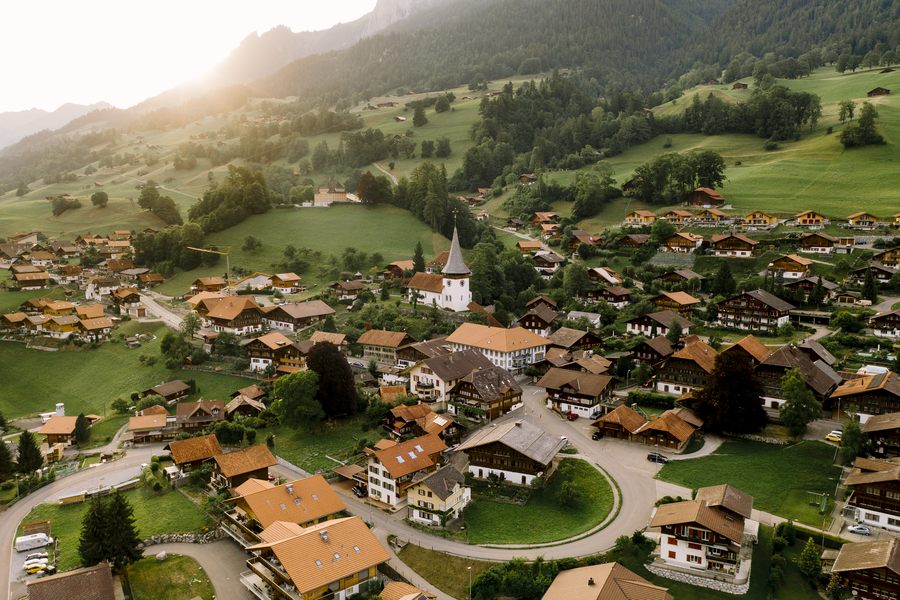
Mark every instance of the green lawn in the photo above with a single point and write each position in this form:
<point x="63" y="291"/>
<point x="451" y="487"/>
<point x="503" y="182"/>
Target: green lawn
<point x="89" y="380"/>
<point x="156" y="513"/>
<point x="446" y="572"/>
<point x="777" y="477"/>
<point x="308" y="450"/>
<point x="543" y="519"/>
<point x="176" y="578"/>
<point x="105" y="428"/>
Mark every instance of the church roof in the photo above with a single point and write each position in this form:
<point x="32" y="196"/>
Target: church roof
<point x="455" y="264"/>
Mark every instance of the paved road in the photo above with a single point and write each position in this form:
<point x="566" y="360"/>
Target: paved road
<point x="386" y="172"/>
<point x="223" y="562"/>
<point x="168" y="316"/>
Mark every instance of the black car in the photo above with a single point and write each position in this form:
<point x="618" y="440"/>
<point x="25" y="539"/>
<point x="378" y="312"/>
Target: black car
<point x="657" y="458"/>
<point x="360" y="493"/>
<point x="598" y="435"/>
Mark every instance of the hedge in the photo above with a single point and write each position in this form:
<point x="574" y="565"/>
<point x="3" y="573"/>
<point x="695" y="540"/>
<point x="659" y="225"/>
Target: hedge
<point x="651" y="399"/>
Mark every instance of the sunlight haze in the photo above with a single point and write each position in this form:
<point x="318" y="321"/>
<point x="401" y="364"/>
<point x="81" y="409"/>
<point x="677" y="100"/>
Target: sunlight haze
<point x="123" y="53"/>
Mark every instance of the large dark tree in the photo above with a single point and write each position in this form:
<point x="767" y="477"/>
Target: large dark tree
<point x="122" y="537"/>
<point x="298" y="405"/>
<point x="92" y="545"/>
<point x="7" y="467"/>
<point x="82" y="429"/>
<point x="870" y="288"/>
<point x="368" y="189"/>
<point x="419" y="259"/>
<point x="337" y="392"/>
<point x="29" y="457"/>
<point x="723" y="283"/>
<point x="731" y="401"/>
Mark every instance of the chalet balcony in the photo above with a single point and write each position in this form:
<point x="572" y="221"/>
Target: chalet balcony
<point x="713" y="554"/>
<point x="423" y="385"/>
<point x="273" y="576"/>
<point x="256" y="586"/>
<point x="238" y="526"/>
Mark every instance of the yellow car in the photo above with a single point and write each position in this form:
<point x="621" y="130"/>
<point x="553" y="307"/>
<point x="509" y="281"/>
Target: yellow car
<point x="834" y="436"/>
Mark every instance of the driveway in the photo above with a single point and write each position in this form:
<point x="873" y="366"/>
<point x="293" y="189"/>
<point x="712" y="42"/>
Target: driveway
<point x="223" y="562"/>
<point x="167" y="315"/>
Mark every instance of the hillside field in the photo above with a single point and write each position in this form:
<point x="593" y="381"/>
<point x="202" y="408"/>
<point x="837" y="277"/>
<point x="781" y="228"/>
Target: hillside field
<point x="89" y="380"/>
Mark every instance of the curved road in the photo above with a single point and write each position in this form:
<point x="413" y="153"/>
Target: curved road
<point x="223" y="562"/>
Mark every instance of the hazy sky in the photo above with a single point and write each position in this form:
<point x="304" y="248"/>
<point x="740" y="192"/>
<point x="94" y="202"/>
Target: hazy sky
<point x="58" y="51"/>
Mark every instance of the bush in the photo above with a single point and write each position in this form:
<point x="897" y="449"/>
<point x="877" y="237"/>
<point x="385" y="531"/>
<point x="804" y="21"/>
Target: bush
<point x="7" y="485"/>
<point x="770" y="145"/>
<point x="154" y="467"/>
<point x="241" y="365"/>
<point x="779" y="544"/>
<point x="787" y="531"/>
<point x="157" y="486"/>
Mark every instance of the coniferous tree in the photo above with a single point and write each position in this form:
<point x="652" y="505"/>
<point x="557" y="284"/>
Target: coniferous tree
<point x="419" y="259"/>
<point x="809" y="562"/>
<point x="817" y="294"/>
<point x="724" y="284"/>
<point x="419" y="117"/>
<point x="731" y="401"/>
<point x="29" y="456"/>
<point x="870" y="288"/>
<point x="7" y="467"/>
<point x="385" y="293"/>
<point x="675" y="331"/>
<point x="337" y="393"/>
<point x="82" y="429"/>
<point x="122" y="537"/>
<point x="92" y="545"/>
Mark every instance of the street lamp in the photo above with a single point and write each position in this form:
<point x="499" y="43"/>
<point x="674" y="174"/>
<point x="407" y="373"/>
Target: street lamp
<point x="470" y="583"/>
<point x="17" y="485"/>
<point x="628" y="377"/>
<point x="275" y="445"/>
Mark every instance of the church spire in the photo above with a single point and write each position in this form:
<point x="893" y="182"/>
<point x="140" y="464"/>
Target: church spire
<point x="455" y="263"/>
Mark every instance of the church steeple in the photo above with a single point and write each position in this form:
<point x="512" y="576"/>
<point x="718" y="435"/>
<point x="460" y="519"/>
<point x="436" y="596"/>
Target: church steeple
<point x="455" y="263"/>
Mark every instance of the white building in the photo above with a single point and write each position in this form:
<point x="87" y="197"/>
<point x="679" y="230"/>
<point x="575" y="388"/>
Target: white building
<point x="448" y="290"/>
<point x="392" y="466"/>
<point x="511" y="349"/>
<point x="435" y="377"/>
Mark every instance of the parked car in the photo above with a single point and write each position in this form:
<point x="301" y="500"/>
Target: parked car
<point x="834" y="436"/>
<point x="656" y="457"/>
<point x="358" y="364"/>
<point x="271" y="477"/>
<point x="572" y="416"/>
<point x="859" y="530"/>
<point x="597" y="436"/>
<point x="360" y="493"/>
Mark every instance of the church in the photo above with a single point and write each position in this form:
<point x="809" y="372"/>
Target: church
<point x="449" y="289"/>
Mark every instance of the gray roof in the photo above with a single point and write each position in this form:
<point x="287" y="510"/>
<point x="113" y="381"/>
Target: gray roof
<point x="769" y="299"/>
<point x="458" y="364"/>
<point x="819" y="351"/>
<point x="521" y="436"/>
<point x="455" y="264"/>
<point x="575" y="315"/>
<point x="789" y="357"/>
<point x="442" y="481"/>
<point x="492" y="383"/>
<point x="567" y="337"/>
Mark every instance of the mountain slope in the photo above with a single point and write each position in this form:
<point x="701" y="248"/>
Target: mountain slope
<point x="16" y="125"/>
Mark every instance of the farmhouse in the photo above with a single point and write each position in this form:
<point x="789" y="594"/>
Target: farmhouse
<point x="886" y="324"/>
<point x="240" y="315"/>
<point x="286" y="283"/>
<point x="603" y="582"/>
<point x="682" y="243"/>
<point x="547" y="263"/>
<point x="870" y="569"/>
<point x="191" y="453"/>
<point x="529" y="247"/>
<point x="433" y="378"/>
<point x="703" y="197"/>
<point x="418" y="420"/>
<point x="328" y="192"/>
<point x="384" y="345"/>
<point x="575" y="392"/>
<point x="347" y="290"/>
<point x="808" y="283"/>
<point x="434" y="499"/>
<point x="58" y="430"/>
<point x="749" y="347"/>
<point x="234" y="468"/>
<point x="296" y="316"/>
<point x="739" y="86"/>
<point x="639" y="218"/>
<point x="539" y="320"/>
<point x="884" y="432"/>
<point x="819" y="243"/>
<point x="871" y="394"/>
<point x="208" y="284"/>
<point x="614" y="295"/>
<point x="879" y="91"/>
<point x="733" y="245"/>
<point x="679" y="276"/>
<point x="196" y="416"/>
<point x="275" y="349"/>
<point x="888" y="258"/>
<point x="678" y="302"/>
<point x="634" y="240"/>
<point x="772" y="370"/>
<point x="604" y="275"/>
<point x="880" y="273"/>
<point x="540" y="218"/>
<point x="573" y="339"/>
<point x="516" y="450"/>
<point x="654" y="350"/>
<point x="171" y="392"/>
<point x="687" y="369"/>
<point x="660" y="321"/>
<point x="392" y="467"/>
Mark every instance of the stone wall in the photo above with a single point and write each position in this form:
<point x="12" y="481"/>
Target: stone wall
<point x="728" y="588"/>
<point x="183" y="538"/>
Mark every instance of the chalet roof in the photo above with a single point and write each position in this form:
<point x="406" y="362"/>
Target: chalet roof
<point x="568" y="337"/>
<point x="496" y="338"/>
<point x="609" y="581"/>
<point x="543" y="312"/>
<point x="231" y="307"/>
<point x="429" y="282"/>
<point x="688" y="416"/>
<point x="455" y="264"/>
<point x="58" y="425"/>
<point x="700" y="353"/>
<point x="240" y="400"/>
<point x="326" y="336"/>
<point x="819" y="350"/>
<point x="697" y="511"/>
<point x="449" y="367"/>
<point x="209" y="281"/>
<point x="198" y="298"/>
<point x="350" y="286"/>
<point x="789" y="357"/>
<point x="95" y="323"/>
<point x="665" y="317"/>
<point x="529" y="244"/>
<point x="521" y="436"/>
<point x="826" y="285"/>
<point x="884" y="553"/>
<point x="245" y="460"/>
<point x="713" y="211"/>
<point x="251" y="391"/>
<point x="150" y="421"/>
<point x="194" y="449"/>
<point x="803" y="262"/>
<point x="251" y="486"/>
<point x="541" y="298"/>
<point x="817" y="234"/>
<point x="432" y="348"/>
<point x="624" y="416"/>
<point x="642" y="213"/>
<point x="302" y="310"/>
<point x="884" y="422"/>
<point x="682" y="298"/>
<point x="200" y="412"/>
<point x="349" y="539"/>
<point x="864" y="472"/>
<point x="768" y="299"/>
<point x="169" y="389"/>
<point x="679" y="213"/>
<point x="721" y="238"/>
<point x="888" y="382"/>
<point x="752" y="346"/>
<point x="286" y="277"/>
<point x="309" y="499"/>
<point x="90" y="583"/>
<point x="661" y="345"/>
<point x="411" y="413"/>
<point x="639" y="238"/>
<point x="156" y="409"/>
<point x="389" y="339"/>
<point x="807" y="212"/>
<point x="442" y="481"/>
<point x="582" y="383"/>
<point x="410" y="456"/>
<point x="273" y="341"/>
<point x="671" y="424"/>
<point x="727" y="497"/>
<point x="860" y="214"/>
<point x="617" y="290"/>
<point x="398" y="590"/>
<point x="685" y="274"/>
<point x="492" y="383"/>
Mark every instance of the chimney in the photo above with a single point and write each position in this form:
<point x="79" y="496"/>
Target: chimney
<point x="591" y="581"/>
<point x="324" y="535"/>
<point x="290" y="488"/>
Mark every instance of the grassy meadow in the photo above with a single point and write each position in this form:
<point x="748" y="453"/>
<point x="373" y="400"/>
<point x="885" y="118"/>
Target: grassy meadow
<point x="89" y="380"/>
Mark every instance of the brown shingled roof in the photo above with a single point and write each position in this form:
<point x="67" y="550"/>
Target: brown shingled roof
<point x="244" y="461"/>
<point x="200" y="448"/>
<point x="700" y="353"/>
<point x="669" y="423"/>
<point x="624" y="416"/>
<point x="876" y="554"/>
<point x="728" y="497"/>
<point x="753" y="347"/>
<point x="697" y="511"/>
<point x="390" y="339"/>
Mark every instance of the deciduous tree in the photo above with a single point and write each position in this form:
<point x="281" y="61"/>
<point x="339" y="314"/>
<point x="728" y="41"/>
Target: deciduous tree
<point x="800" y="406"/>
<point x="297" y="403"/>
<point x="100" y="199"/>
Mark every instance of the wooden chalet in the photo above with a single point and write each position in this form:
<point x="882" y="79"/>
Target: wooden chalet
<point x="383" y="346"/>
<point x="740" y="86"/>
<point x="540" y="218"/>
<point x="678" y="217"/>
<point x="733" y="245"/>
<point x="870" y="570"/>
<point x="574" y="339"/>
<point x="604" y="276"/>
<point x="819" y="243"/>
<point x="771" y="371"/>
<point x="634" y="240"/>
<point x="539" y="320"/>
<point x="881" y="273"/>
<point x="191" y="453"/>
<point x="619" y="423"/>
<point x="528" y="246"/>
<point x="229" y="470"/>
<point x="539" y="300"/>
<point x="871" y="394"/>
<point x="679" y="276"/>
<point x="810" y="218"/>
<point x="759" y="218"/>
<point x="172" y="391"/>
<point x="749" y="347"/>
<point x="667" y="431"/>
<point x="494" y="390"/>
<point x="710" y="217"/>
<point x="208" y="284"/>
<point x="886" y="324"/>
<point x="275" y="349"/>
<point x="58" y="430"/>
<point x="683" y="243"/>
<point x="392" y="466"/>
<point x="286" y="283"/>
<point x="547" y="263"/>
<point x="197" y="416"/>
<point x="879" y="91"/>
<point x="888" y="258"/>
<point x="614" y="295"/>
<point x="639" y="218"/>
<point x="687" y="369"/>
<point x="296" y="316"/>
<point x="570" y="391"/>
<point x="660" y="321"/>
<point x="582" y="237"/>
<point x="678" y="302"/>
<point x="396" y="269"/>
<point x="757" y="310"/>
<point x="347" y="290"/>
<point x="419" y="420"/>
<point x="654" y="350"/>
<point x="240" y="315"/>
<point x="516" y="450"/>
<point x="410" y="355"/>
<point x="808" y="283"/>
<point x="863" y="220"/>
<point x="703" y="197"/>
<point x="884" y="431"/>
<point x="790" y="266"/>
<point x="242" y="406"/>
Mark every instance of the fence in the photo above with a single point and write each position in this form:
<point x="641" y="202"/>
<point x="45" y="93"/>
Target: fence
<point x="247" y="374"/>
<point x="290" y="465"/>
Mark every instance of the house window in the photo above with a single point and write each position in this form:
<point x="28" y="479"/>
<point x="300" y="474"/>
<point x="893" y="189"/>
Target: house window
<point x="694" y="559"/>
<point x="672" y="541"/>
<point x="871" y="517"/>
<point x="671" y="554"/>
<point x="693" y="546"/>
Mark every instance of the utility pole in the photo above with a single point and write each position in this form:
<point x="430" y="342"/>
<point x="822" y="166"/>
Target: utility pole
<point x="227" y="261"/>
